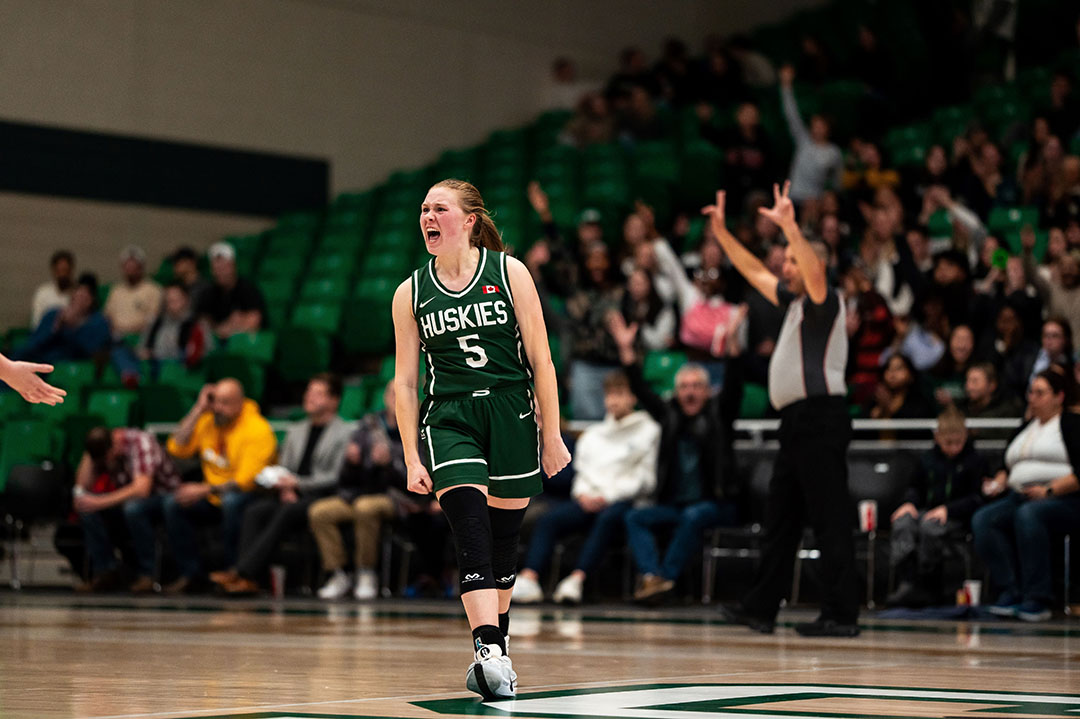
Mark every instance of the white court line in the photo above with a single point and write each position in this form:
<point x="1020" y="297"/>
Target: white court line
<point x="546" y="687"/>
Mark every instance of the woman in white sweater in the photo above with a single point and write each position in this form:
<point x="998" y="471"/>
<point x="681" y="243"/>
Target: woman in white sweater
<point x="1040" y="499"/>
<point x="614" y="465"/>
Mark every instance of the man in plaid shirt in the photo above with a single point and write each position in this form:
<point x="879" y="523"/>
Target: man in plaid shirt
<point x="120" y="471"/>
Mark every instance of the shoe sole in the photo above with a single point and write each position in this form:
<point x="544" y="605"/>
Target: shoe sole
<point x="1003" y="612"/>
<point x="476" y="681"/>
<point x="1028" y="617"/>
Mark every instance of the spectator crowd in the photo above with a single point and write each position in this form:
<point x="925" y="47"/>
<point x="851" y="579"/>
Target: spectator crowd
<point x="960" y="275"/>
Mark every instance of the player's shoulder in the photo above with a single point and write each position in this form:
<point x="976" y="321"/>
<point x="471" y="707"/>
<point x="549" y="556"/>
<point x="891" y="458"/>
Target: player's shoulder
<point x="515" y="267"/>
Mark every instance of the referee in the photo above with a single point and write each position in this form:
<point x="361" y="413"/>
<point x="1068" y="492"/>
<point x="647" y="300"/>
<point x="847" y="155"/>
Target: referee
<point x="806" y="384"/>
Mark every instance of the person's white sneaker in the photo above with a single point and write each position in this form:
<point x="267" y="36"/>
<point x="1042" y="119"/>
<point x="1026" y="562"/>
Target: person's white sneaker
<point x="527" y="591"/>
<point x="492" y="675"/>
<point x="367" y="585"/>
<point x="337" y="586"/>
<point x="568" y="591"/>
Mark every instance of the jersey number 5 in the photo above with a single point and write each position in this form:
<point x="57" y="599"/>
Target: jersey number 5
<point x="480" y="359"/>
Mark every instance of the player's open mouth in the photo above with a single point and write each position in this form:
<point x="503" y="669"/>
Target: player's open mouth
<point x="433" y="235"/>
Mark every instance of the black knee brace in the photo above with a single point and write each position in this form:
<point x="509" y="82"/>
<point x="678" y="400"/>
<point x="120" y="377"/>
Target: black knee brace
<point x="505" y="530"/>
<point x="467" y="512"/>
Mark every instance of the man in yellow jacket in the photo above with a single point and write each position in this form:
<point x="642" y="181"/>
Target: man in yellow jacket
<point x="234" y="443"/>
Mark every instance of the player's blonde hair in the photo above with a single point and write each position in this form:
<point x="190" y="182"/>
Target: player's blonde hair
<point x="484" y="232"/>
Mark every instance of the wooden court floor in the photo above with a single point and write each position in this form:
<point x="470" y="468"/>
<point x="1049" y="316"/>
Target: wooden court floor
<point x="114" y="657"/>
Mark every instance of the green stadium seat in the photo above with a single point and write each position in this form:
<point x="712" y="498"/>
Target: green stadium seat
<point x="906" y="136"/>
<point x="329" y="290"/>
<point x="26" y="442"/>
<point x="356" y="201"/>
<point x="332" y="264"/>
<point x="277" y="288"/>
<point x="72" y="404"/>
<point x="389" y="264"/>
<point x="73" y="430"/>
<point x="164" y="402"/>
<point x="15" y="337"/>
<point x="280" y="267"/>
<point x="386" y="369"/>
<point x="305" y="221"/>
<point x="73" y="374"/>
<point x="354" y="401"/>
<point x="289" y="243"/>
<point x="1002" y="118"/>
<point x="248" y="372"/>
<point x="250" y="245"/>
<point x="659" y="369"/>
<point x="909" y="155"/>
<point x="178" y="375"/>
<point x="278" y="310"/>
<point x="1003" y="219"/>
<point x="116" y="406"/>
<point x="376" y="289"/>
<point x="702" y="173"/>
<point x="318" y="316"/>
<point x="755" y="401"/>
<point x="395" y="241"/>
<point x="257" y="346"/>
<point x="12" y="405"/>
<point x="347" y="240"/>
<point x="992" y="96"/>
<point x="368" y="328"/>
<point x="302" y="352"/>
<point x="345" y="220"/>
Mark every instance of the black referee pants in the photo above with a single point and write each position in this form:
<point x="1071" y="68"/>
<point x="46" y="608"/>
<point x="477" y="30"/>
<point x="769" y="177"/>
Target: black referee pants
<point x="809" y="486"/>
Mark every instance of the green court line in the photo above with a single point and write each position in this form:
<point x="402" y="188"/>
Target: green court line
<point x="745" y="705"/>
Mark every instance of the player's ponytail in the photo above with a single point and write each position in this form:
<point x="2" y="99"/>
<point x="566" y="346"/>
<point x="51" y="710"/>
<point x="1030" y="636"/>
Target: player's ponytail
<point x="484" y="232"/>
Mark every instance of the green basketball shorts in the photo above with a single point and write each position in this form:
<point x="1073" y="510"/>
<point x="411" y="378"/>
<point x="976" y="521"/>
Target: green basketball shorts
<point x="490" y="440"/>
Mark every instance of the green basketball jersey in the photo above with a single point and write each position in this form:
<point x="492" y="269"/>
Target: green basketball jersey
<point x="471" y="338"/>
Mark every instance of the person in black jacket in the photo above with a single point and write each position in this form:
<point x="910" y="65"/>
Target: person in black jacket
<point x="944" y="493"/>
<point x="695" y="478"/>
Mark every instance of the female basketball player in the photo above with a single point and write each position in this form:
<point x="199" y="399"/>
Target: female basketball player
<point x="23" y="378"/>
<point x="474" y="311"/>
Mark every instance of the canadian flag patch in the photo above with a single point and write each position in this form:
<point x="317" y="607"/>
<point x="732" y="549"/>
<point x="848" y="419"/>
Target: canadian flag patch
<point x="490" y="289"/>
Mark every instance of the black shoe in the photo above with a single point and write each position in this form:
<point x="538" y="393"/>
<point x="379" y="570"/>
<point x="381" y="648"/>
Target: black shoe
<point x="737" y="616"/>
<point x="826" y="628"/>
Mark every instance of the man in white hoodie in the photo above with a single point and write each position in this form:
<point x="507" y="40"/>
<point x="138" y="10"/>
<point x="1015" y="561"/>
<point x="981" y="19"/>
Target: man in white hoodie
<point x="614" y="464"/>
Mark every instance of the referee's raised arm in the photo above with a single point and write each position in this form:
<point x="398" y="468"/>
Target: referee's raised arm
<point x="748" y="265"/>
<point x="811" y="268"/>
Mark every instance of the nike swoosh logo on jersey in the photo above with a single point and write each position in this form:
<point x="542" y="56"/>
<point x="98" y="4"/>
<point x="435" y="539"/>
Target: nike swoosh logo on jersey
<point x="523" y="416"/>
<point x="426" y="301"/>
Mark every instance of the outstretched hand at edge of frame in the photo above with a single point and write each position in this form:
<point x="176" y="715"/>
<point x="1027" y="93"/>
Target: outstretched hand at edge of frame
<point x="23" y="378"/>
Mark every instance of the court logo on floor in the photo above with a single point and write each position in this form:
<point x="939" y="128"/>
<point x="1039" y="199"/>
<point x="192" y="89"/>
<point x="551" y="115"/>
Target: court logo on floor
<point x="780" y="701"/>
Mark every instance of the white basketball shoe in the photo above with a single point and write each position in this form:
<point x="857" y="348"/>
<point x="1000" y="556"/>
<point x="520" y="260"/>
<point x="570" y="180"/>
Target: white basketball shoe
<point x="492" y="676"/>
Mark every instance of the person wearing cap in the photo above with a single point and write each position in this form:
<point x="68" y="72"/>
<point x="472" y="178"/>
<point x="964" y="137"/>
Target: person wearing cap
<point x="232" y="304"/>
<point x="135" y="301"/>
